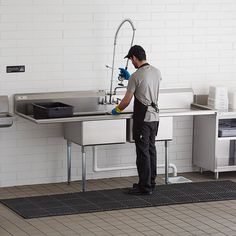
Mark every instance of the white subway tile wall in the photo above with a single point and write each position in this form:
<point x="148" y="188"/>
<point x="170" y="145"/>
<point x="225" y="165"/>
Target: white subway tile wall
<point x="65" y="45"/>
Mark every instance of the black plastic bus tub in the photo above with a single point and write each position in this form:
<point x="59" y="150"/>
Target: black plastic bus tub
<point x="52" y="110"/>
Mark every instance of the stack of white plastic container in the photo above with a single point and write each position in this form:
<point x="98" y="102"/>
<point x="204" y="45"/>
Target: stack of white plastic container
<point x="218" y="98"/>
<point x="232" y="100"/>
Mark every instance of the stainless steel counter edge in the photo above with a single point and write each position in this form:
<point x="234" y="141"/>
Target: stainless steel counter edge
<point x="230" y="113"/>
<point x="163" y="113"/>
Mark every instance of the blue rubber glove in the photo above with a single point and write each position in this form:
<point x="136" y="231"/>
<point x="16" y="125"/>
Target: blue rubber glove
<point x="116" y="111"/>
<point x="124" y="73"/>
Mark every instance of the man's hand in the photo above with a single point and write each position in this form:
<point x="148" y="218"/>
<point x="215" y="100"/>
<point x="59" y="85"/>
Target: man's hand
<point x="116" y="111"/>
<point x="124" y="73"/>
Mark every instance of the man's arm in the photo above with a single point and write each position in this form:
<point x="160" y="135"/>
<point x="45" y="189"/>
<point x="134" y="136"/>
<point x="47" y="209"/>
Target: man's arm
<point x="126" y="100"/>
<point x="123" y="104"/>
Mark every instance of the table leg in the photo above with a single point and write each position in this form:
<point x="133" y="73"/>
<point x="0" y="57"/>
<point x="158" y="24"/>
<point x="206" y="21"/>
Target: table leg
<point x="83" y="170"/>
<point x="68" y="162"/>
<point x="166" y="163"/>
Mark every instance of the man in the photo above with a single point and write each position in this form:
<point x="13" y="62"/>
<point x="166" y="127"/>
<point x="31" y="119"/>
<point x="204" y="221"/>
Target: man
<point x="144" y="86"/>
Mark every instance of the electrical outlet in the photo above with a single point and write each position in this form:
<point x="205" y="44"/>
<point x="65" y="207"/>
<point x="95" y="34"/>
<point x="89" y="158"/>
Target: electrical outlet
<point x="15" y="69"/>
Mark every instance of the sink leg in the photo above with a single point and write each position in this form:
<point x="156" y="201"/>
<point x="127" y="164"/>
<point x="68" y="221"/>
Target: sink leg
<point x="166" y="163"/>
<point x="68" y="162"/>
<point x="201" y="170"/>
<point x="83" y="170"/>
<point x="216" y="175"/>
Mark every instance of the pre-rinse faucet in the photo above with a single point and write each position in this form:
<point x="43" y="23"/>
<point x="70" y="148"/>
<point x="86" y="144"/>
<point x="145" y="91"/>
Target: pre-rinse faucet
<point x="114" y="51"/>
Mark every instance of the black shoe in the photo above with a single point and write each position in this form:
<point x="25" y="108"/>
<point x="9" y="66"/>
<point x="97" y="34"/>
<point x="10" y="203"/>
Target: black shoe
<point x="153" y="187"/>
<point x="136" y="186"/>
<point x="135" y="191"/>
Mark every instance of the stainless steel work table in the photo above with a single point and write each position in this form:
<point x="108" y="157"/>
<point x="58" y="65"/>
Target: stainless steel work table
<point x="214" y="149"/>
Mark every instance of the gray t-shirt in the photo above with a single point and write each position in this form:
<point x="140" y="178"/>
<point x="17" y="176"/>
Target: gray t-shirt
<point x="145" y="83"/>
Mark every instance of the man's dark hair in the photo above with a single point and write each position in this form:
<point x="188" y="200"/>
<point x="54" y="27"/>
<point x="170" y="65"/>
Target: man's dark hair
<point x="138" y="52"/>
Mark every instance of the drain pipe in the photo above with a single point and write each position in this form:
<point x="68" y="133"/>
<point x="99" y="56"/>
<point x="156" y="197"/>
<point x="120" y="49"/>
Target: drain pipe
<point x="98" y="169"/>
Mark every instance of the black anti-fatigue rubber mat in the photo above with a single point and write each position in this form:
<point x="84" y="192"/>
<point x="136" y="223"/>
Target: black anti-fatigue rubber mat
<point x="114" y="199"/>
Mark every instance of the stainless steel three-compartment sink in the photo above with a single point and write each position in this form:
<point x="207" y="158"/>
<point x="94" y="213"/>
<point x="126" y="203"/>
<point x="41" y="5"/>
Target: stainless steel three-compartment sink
<point x="92" y="124"/>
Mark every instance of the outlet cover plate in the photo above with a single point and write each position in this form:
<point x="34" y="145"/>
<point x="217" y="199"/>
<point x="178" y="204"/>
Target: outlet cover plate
<point x="15" y="69"/>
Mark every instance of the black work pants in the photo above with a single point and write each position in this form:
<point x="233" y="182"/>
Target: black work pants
<point x="146" y="156"/>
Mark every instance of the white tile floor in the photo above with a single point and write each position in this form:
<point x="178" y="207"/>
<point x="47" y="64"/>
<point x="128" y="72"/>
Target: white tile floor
<point x="213" y="218"/>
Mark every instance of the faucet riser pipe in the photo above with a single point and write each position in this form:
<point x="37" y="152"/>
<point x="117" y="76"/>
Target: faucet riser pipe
<point x="114" y="52"/>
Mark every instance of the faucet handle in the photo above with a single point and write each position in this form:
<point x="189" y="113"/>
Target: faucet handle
<point x="101" y="101"/>
<point x="113" y="101"/>
<point x="117" y="100"/>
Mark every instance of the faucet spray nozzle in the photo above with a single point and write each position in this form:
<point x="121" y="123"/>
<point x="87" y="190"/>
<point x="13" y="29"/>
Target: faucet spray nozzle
<point x="109" y="67"/>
